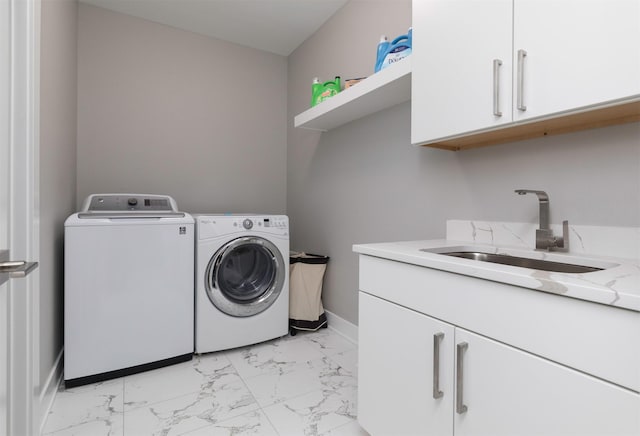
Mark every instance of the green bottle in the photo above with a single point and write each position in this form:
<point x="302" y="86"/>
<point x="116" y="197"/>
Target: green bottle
<point x="322" y="91"/>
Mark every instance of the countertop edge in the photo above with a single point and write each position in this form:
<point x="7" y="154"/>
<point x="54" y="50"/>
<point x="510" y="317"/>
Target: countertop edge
<point x="616" y="287"/>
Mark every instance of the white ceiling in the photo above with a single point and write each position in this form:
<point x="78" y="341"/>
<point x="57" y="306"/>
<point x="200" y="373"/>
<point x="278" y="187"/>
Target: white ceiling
<point x="276" y="26"/>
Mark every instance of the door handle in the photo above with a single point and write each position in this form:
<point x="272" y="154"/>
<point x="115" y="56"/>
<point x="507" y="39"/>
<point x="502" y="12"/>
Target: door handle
<point x="17" y="268"/>
<point x="520" y="103"/>
<point x="460" y="406"/>
<point x="496" y="87"/>
<point x="437" y="338"/>
<point x="14" y="269"/>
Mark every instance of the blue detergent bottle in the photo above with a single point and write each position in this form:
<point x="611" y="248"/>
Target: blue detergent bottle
<point x="391" y="52"/>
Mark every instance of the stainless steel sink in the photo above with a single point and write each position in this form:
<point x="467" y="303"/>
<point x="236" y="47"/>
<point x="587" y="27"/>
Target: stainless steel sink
<point x="539" y="264"/>
<point x="543" y="261"/>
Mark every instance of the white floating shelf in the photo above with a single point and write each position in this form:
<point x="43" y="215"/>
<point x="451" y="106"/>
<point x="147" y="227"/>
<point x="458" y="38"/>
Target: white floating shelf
<point x="386" y="88"/>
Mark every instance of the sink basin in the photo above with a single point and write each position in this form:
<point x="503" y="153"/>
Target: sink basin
<point x="559" y="263"/>
<point x="504" y="259"/>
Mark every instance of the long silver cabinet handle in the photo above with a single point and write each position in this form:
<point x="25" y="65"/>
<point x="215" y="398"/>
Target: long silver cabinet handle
<point x="496" y="87"/>
<point x="521" y="55"/>
<point x="437" y="338"/>
<point x="460" y="349"/>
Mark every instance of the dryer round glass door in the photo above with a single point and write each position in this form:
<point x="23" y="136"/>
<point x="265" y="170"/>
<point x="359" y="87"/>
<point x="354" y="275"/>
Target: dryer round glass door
<point x="245" y="276"/>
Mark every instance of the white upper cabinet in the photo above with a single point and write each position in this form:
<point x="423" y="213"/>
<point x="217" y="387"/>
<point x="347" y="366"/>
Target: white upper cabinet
<point x="484" y="67"/>
<point x="579" y="53"/>
<point x="455" y="44"/>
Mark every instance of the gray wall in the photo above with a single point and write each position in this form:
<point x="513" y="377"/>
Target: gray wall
<point x="57" y="167"/>
<point x="161" y="110"/>
<point x="364" y="182"/>
<point x="167" y="111"/>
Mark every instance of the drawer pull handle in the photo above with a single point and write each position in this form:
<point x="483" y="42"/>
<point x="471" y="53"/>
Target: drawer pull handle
<point x="460" y="406"/>
<point x="437" y="338"/>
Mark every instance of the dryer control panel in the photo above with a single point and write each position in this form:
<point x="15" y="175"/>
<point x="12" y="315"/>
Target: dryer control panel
<point x="277" y="222"/>
<point x="263" y="223"/>
<point x="215" y="225"/>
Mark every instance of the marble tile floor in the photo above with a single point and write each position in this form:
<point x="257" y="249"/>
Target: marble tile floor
<point x="299" y="385"/>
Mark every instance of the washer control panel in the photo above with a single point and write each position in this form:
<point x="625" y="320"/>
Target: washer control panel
<point x="129" y="202"/>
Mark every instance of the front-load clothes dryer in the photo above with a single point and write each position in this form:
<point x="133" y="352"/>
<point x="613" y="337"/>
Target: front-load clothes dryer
<point x="242" y="280"/>
<point x="129" y="291"/>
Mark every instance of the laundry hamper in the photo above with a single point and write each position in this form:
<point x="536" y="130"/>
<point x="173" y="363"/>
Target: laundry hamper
<point x="306" y="272"/>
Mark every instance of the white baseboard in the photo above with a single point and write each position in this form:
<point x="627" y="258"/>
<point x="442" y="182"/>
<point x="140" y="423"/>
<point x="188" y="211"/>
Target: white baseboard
<point x="342" y="326"/>
<point x="49" y="390"/>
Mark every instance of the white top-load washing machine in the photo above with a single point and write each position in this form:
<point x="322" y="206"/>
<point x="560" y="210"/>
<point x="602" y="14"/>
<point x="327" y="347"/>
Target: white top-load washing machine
<point x="129" y="294"/>
<point x="242" y="280"/>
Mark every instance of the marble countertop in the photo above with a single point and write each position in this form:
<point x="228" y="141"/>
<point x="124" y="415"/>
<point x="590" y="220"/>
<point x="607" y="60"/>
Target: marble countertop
<point x="617" y="285"/>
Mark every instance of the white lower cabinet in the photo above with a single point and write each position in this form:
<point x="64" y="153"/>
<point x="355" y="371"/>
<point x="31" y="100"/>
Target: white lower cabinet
<point x="509" y="392"/>
<point x="396" y="371"/>
<point x="487" y="387"/>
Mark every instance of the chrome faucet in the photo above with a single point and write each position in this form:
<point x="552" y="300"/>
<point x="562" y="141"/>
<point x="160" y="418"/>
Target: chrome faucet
<point x="544" y="236"/>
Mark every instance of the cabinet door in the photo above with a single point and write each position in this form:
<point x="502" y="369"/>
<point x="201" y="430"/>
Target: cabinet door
<point x="455" y="43"/>
<point x="578" y="53"/>
<point x="512" y="393"/>
<point x="396" y="371"/>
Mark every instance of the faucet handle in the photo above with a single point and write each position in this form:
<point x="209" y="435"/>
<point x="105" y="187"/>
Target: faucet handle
<point x="562" y="243"/>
